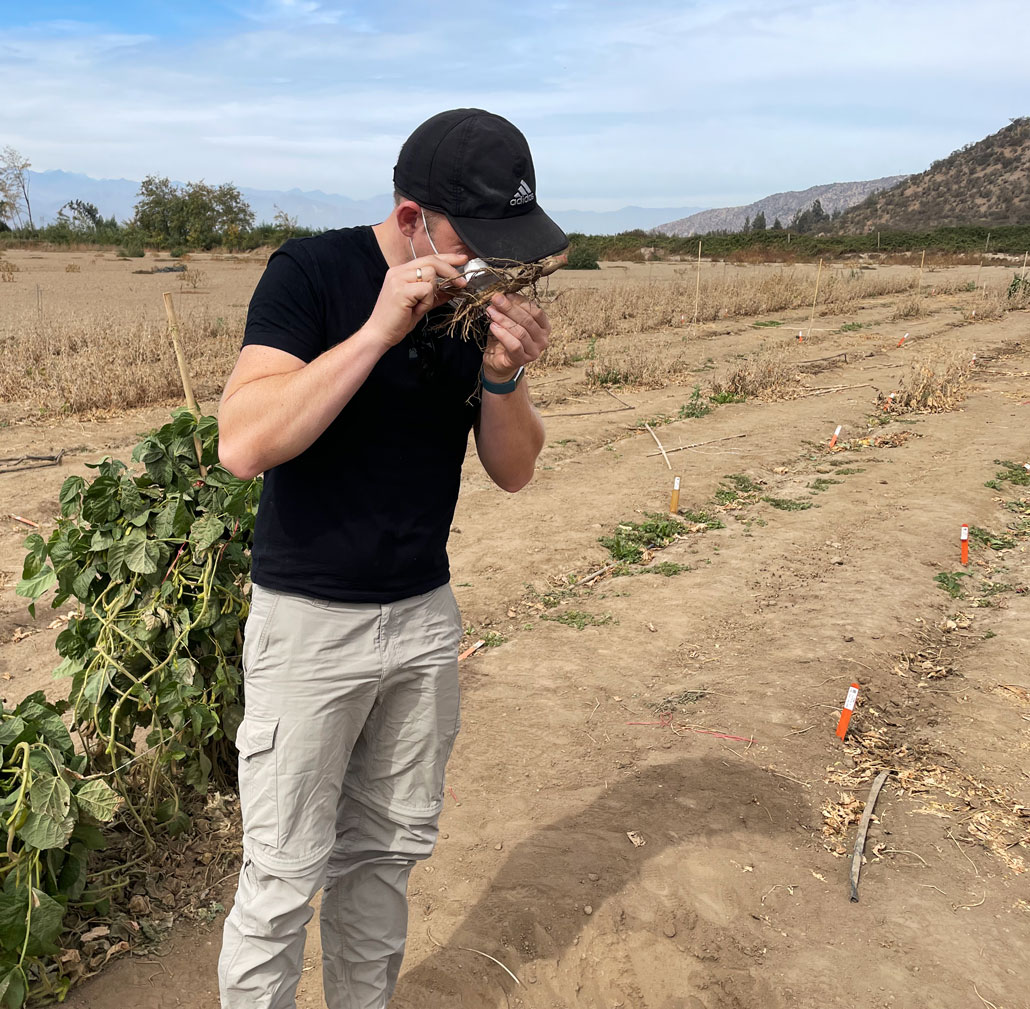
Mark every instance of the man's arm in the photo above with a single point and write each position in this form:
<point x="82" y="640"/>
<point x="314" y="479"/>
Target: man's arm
<point x="275" y="406"/>
<point x="510" y="433"/>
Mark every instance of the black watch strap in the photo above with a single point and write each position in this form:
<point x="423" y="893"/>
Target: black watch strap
<point x="501" y="388"/>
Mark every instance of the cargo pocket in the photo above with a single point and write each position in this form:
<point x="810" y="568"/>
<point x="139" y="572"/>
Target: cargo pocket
<point x="259" y="791"/>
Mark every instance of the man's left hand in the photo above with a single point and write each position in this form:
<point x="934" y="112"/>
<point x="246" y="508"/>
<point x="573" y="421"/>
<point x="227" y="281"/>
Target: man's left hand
<point x="519" y="333"/>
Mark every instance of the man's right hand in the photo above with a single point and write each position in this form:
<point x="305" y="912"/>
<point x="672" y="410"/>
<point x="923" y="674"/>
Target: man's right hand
<point x="409" y="291"/>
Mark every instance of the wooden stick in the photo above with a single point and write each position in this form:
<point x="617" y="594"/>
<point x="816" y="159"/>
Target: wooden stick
<point x="698" y="444"/>
<point x="1022" y="276"/>
<point x="659" y="444"/>
<point x="173" y="326"/>
<point x="863" y="828"/>
<point x="818" y="275"/>
<point x="697" y="291"/>
<point x="25" y="522"/>
<point x="922" y="259"/>
<point x="594" y="575"/>
<point x="187" y="386"/>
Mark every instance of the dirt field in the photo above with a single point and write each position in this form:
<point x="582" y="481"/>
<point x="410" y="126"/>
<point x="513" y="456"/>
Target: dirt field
<point x="610" y="709"/>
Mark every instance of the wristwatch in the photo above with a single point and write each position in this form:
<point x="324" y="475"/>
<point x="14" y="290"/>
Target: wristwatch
<point x="501" y="388"/>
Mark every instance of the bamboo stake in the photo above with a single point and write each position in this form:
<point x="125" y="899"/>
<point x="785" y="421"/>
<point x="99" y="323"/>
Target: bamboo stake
<point x="987" y="246"/>
<point x="922" y="259"/>
<point x="1023" y="275"/>
<point x="187" y="385"/>
<point x="697" y="291"/>
<point x="811" y="319"/>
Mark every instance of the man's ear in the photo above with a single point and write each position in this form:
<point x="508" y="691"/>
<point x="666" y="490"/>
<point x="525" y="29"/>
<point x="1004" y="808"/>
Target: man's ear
<point x="408" y="214"/>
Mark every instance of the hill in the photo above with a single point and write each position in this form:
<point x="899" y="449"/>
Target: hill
<point x="833" y="197"/>
<point x="614" y="222"/>
<point x="980" y="184"/>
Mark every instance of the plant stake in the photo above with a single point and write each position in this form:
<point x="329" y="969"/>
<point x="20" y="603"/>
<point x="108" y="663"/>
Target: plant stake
<point x="845" y="713"/>
<point x="964" y="540"/>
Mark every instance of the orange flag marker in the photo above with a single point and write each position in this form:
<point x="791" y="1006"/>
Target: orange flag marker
<point x="903" y="339"/>
<point x="965" y="543"/>
<point x="845" y="713"/>
<point x="836" y="435"/>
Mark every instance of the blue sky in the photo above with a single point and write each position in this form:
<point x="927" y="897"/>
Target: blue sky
<point x="705" y="103"/>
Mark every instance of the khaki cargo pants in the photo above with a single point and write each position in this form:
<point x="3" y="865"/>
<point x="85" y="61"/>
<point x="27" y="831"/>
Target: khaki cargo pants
<point x="351" y="713"/>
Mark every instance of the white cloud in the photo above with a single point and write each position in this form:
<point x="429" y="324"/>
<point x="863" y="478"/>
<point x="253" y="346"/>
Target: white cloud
<point x="663" y="104"/>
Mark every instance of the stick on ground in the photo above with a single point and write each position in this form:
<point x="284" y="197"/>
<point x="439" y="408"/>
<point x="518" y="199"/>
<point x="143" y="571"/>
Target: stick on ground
<point x="863" y="828"/>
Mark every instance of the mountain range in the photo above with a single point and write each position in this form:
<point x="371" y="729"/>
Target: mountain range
<point x="50" y="190"/>
<point x="833" y="197"/>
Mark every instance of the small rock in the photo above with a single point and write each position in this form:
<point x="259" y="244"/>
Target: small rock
<point x="669" y="929"/>
<point x="849" y="637"/>
<point x="593" y="877"/>
<point x="587" y="909"/>
<point x="836" y="560"/>
<point x="444" y="836"/>
<point x="498" y="846"/>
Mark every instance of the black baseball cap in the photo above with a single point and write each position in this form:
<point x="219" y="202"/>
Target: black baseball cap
<point x="476" y="169"/>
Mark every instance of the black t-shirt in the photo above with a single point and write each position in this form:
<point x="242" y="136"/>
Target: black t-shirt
<point x="364" y="513"/>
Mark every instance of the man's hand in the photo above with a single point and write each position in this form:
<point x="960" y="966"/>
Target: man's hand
<point x="409" y="291"/>
<point x="519" y="333"/>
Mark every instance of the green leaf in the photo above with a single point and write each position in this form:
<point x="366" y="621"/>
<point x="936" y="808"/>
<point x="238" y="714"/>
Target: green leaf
<point x="32" y="588"/>
<point x="67" y="667"/>
<point x="98" y="799"/>
<point x="42" y="832"/>
<point x="141" y="554"/>
<point x="205" y="532"/>
<point x="92" y="837"/>
<point x="36" y="546"/>
<point x="47" y="917"/>
<point x="13" y="907"/>
<point x="12" y="728"/>
<point x="50" y="796"/>
<point x="184" y="671"/>
<point x="12" y="987"/>
<point x="101" y="540"/>
<point x="129" y="497"/>
<point x="55" y="732"/>
<point x="232" y="717"/>
<point x="72" y="879"/>
<point x="83" y="580"/>
<point x="71" y="494"/>
<point x="100" y="502"/>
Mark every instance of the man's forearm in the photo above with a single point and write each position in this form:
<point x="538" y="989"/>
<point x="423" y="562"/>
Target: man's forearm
<point x="509" y="438"/>
<point x="269" y="420"/>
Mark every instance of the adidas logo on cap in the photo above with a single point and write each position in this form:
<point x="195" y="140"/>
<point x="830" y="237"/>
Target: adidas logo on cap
<point x="523" y="195"/>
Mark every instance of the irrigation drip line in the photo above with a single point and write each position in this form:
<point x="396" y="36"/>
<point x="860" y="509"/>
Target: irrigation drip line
<point x="817" y="360"/>
<point x="593" y="413"/>
<point x="13" y="464"/>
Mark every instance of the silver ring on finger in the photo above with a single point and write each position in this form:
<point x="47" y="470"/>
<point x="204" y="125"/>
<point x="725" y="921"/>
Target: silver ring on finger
<point x="418" y="273"/>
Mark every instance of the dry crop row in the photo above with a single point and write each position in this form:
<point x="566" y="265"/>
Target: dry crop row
<point x="68" y="362"/>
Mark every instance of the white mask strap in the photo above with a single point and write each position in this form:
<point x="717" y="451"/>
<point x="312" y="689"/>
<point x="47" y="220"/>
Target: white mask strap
<point x="425" y="225"/>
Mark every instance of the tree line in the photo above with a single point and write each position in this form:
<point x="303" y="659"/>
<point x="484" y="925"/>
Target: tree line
<point x="167" y="215"/>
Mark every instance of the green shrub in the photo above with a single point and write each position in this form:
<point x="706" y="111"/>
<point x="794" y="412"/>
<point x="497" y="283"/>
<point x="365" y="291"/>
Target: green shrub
<point x="158" y="564"/>
<point x="581" y="258"/>
<point x="51" y="808"/>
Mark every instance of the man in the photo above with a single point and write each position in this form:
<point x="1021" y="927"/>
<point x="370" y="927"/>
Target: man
<point x="357" y="409"/>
